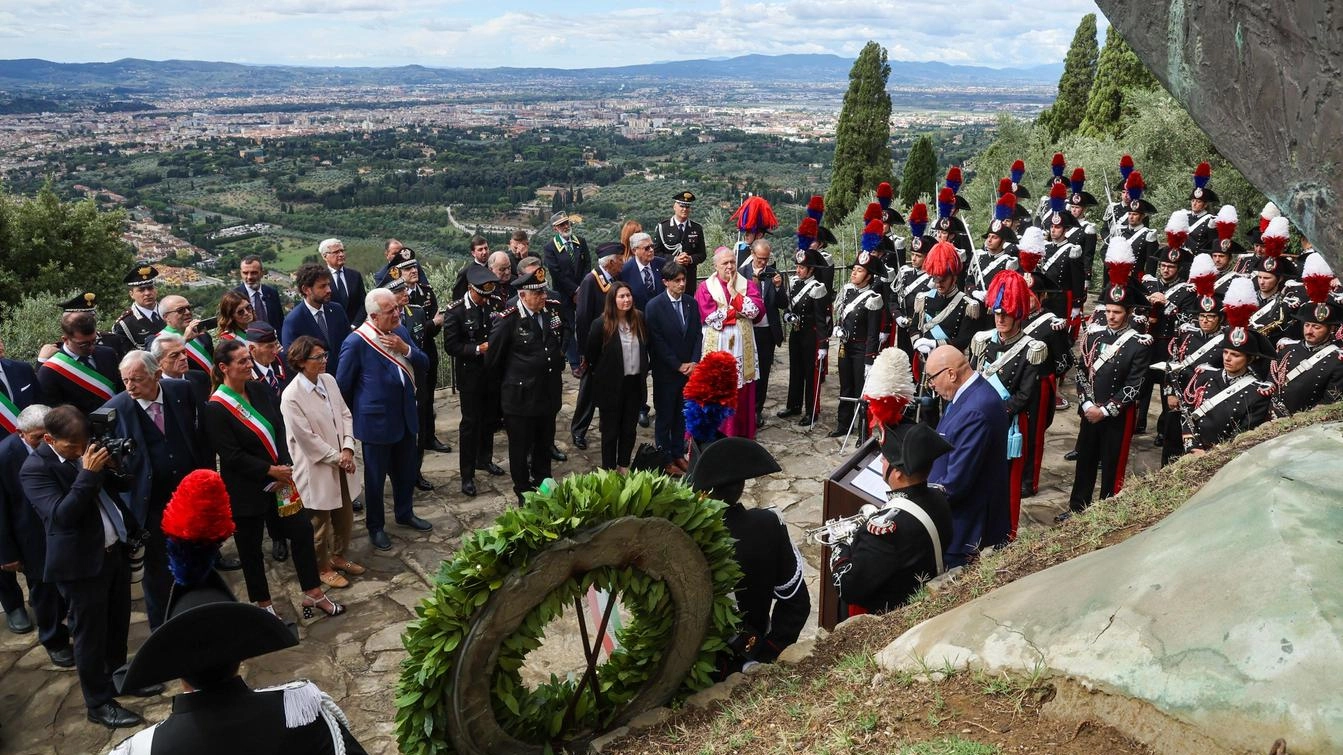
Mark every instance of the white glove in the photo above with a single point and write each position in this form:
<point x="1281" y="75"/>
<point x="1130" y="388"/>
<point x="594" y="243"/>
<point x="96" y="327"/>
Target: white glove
<point x="867" y="370"/>
<point x="821" y="354"/>
<point x="979" y="295"/>
<point x="838" y="332"/>
<point x="903" y="321"/>
<point x="1077" y="312"/>
<point x="925" y="345"/>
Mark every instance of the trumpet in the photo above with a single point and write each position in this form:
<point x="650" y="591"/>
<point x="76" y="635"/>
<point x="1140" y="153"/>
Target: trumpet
<point x="843" y="529"/>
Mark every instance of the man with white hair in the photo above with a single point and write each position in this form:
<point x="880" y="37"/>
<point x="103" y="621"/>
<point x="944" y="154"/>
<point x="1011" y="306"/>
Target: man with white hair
<point x="378" y="363"/>
<point x="643" y="270"/>
<point x="180" y="318"/>
<point x="729" y="304"/>
<point x="347" y="285"/>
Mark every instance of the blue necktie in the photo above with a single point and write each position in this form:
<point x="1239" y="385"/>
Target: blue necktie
<point x="113" y="515"/>
<point x="648" y="279"/>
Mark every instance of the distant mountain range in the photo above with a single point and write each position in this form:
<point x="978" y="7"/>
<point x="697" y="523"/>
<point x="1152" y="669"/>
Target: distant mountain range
<point x="131" y="77"/>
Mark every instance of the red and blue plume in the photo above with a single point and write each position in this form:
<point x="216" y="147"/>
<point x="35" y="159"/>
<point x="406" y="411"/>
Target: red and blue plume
<point x="954" y="179"/>
<point x="816" y="207"/>
<point x="1010" y="294"/>
<point x="872" y="234"/>
<point x="710" y="395"/>
<point x="918" y="219"/>
<point x="1058" y="197"/>
<point x="1134" y="185"/>
<point x="1078" y="180"/>
<point x="1058" y="164"/>
<point x="1125" y="166"/>
<point x="755" y="216"/>
<point x="195" y="521"/>
<point x="1201" y="175"/>
<point x="884" y="195"/>
<point x="1004" y="186"/>
<point x="1006" y="208"/>
<point x="806" y="233"/>
<point x="942" y="259"/>
<point x="1018" y="171"/>
<point x="946" y="202"/>
<point x="873" y="212"/>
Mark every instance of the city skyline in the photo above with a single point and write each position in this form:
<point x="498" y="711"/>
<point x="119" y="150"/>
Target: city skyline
<point x="527" y="33"/>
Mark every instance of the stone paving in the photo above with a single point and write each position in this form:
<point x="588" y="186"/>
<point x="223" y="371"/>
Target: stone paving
<point x="355" y="657"/>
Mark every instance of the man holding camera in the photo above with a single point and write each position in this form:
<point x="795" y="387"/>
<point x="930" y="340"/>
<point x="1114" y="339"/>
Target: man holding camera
<point x="181" y="321"/>
<point x="87" y="556"/>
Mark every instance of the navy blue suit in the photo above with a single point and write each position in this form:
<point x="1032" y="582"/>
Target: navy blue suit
<point x="382" y="399"/>
<point x="975" y="473"/>
<point x="24" y="391"/>
<point x="350" y="298"/>
<point x="161" y="460"/>
<point x="671" y="344"/>
<point x="300" y="322"/>
<point x="631" y="276"/>
<point x="57" y="389"/>
<point x="22" y="538"/>
<point x="271" y="299"/>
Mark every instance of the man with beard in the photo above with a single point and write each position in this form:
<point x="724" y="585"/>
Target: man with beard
<point x="316" y="315"/>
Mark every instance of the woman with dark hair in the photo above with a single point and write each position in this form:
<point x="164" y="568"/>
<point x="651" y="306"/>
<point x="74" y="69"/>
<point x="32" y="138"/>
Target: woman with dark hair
<point x="617" y="357"/>
<point x="235" y="314"/>
<point x="247" y="430"/>
<point x="630" y="228"/>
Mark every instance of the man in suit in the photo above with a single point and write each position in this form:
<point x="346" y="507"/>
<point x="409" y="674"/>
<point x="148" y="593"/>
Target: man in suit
<point x="466" y="333"/>
<point x="526" y="352"/>
<point x="643" y="271"/>
<point x="480" y="255"/>
<point x="265" y="299"/>
<point x="590" y="305"/>
<point x="170" y="352"/>
<point x="18" y="389"/>
<point x="675" y="343"/>
<point x="141" y="320"/>
<point x="567" y="260"/>
<point x="974" y="474"/>
<point x="267" y="365"/>
<point x="180" y="319"/>
<point x="23" y="542"/>
<point x="160" y="416"/>
<point x="87" y="556"/>
<point x="316" y="315"/>
<point x="378" y="364"/>
<point x="769" y="329"/>
<point x="347" y="285"/>
<point x="681" y="239"/>
<point x="81" y="373"/>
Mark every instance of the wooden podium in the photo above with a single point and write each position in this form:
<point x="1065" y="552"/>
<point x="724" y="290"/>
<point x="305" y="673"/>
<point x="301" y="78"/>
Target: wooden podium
<point x="855" y="482"/>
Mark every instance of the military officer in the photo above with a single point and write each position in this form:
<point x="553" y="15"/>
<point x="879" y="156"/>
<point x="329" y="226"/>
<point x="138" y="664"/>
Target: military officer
<point x="1058" y="266"/>
<point x="1041" y="325"/>
<point x="681" y="239"/>
<point x="1170" y="304"/>
<point x="807" y="313"/>
<point x="526" y="352"/>
<point x="1194" y="345"/>
<point x="406" y="267"/>
<point x="1309" y="372"/>
<point x="567" y="260"/>
<point x="141" y="321"/>
<point x="1084" y="235"/>
<point x="943" y="314"/>
<point x="1202" y="235"/>
<point x="858" y="324"/>
<point x="910" y="279"/>
<point x="1134" y="230"/>
<point x="466" y="333"/>
<point x="1221" y="403"/>
<point x="999" y="252"/>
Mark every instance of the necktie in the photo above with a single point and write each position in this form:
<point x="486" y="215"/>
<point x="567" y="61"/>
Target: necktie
<point x="156" y="413"/>
<point x="272" y="381"/>
<point x="154" y="318"/>
<point x="258" y="306"/>
<point x="4" y="386"/>
<point x="86" y="361"/>
<point x="648" y="279"/>
<point x="113" y="515"/>
<point x="321" y="323"/>
<point x="340" y="285"/>
<point x="680" y="310"/>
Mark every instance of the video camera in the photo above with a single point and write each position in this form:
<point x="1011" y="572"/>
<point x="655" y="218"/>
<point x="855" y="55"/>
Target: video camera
<point x="102" y="432"/>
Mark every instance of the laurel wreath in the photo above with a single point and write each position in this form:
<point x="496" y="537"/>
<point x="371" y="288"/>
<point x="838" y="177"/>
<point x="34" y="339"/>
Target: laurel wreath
<point x="486" y="557"/>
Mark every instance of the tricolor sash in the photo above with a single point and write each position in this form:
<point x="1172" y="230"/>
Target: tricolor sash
<point x="9" y="414"/>
<point x="195" y="349"/>
<point x="82" y="375"/>
<point x="245" y="413"/>
<point x="370" y="335"/>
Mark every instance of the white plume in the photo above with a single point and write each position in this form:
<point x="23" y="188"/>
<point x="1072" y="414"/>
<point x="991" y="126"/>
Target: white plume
<point x="1120" y="251"/>
<point x="1270" y="211"/>
<point x="1178" y="223"/>
<point x="1202" y="266"/>
<point x="1277" y="227"/>
<point x="1316" y="265"/>
<point x="890" y="375"/>
<point x="1240" y="293"/>
<point x="1033" y="240"/>
<point x="1228" y="214"/>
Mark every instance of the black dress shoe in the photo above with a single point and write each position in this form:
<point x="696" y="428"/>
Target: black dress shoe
<point x="1070" y="456"/>
<point x="380" y="540"/>
<point x="149" y="690"/>
<point x="1027" y="491"/>
<point x="414" y="522"/>
<point x="806" y="422"/>
<point x="63" y="658"/>
<point x="836" y="433"/>
<point x="437" y="445"/>
<point x="784" y="413"/>
<point x="423" y="484"/>
<point x="494" y="469"/>
<point x="469" y="488"/>
<point x="113" y="716"/>
<point x="643" y="418"/>
<point x="18" y="621"/>
<point x="357" y="506"/>
<point x="1061" y="518"/>
<point x="228" y="563"/>
<point x="279" y="550"/>
<point x="557" y="455"/>
<point x="580" y="441"/>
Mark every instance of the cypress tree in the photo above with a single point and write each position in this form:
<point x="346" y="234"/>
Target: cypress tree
<point x="863" y="134"/>
<point x="1118" y="72"/>
<point x="920" y="175"/>
<point x="1079" y="72"/>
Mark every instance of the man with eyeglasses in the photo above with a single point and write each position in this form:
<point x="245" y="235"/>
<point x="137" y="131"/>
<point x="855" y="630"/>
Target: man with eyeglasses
<point x="180" y="320"/>
<point x="141" y="321"/>
<point x="81" y="373"/>
<point x="347" y="285"/>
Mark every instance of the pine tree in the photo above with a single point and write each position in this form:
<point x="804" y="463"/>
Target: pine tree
<point x="920" y="175"/>
<point x="1118" y="72"/>
<point x="863" y="134"/>
<point x="1079" y="72"/>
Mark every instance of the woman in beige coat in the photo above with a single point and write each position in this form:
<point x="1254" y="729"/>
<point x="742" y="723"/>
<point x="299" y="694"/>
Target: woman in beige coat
<point x="320" y="437"/>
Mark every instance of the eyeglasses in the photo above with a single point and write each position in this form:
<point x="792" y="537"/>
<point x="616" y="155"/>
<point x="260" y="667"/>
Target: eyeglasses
<point x="318" y="357"/>
<point x="180" y="310"/>
<point x="936" y="375"/>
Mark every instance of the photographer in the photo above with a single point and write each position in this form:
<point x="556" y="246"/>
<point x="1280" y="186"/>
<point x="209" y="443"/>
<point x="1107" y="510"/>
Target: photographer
<point x="159" y="417"/>
<point x="87" y="556"/>
<point x="768" y="329"/>
<point x="181" y="321"/>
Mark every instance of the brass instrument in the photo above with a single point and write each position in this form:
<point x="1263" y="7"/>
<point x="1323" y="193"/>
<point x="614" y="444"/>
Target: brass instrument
<point x="842" y="530"/>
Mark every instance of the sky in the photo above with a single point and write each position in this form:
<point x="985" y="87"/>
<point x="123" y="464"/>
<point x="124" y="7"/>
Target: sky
<point x="554" y="34"/>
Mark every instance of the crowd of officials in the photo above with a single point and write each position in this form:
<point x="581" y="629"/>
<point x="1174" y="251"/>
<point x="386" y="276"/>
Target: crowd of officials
<point x="990" y="326"/>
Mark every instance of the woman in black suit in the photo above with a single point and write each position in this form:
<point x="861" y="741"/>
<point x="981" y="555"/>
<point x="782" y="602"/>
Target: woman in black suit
<point x="245" y="424"/>
<point x="617" y="357"/>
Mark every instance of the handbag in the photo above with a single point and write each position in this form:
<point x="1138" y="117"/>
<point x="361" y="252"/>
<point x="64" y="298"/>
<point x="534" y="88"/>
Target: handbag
<point x="647" y="458"/>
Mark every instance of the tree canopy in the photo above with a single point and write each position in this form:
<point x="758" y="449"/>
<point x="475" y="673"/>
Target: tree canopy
<point x="863" y="133"/>
<point x="920" y="175"/>
<point x="1079" y="73"/>
<point x="1119" y="71"/>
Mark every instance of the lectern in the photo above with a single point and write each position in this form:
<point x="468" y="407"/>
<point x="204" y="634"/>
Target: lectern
<point x="855" y="482"/>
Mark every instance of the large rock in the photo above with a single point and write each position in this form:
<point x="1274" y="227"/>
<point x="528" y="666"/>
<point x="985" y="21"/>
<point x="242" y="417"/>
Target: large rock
<point x="1226" y="616"/>
<point x="1262" y="80"/>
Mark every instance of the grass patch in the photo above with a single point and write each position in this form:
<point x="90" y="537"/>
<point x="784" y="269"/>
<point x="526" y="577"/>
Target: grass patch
<point x="949" y="746"/>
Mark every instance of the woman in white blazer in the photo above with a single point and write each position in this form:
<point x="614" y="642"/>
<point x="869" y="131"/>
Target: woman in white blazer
<point x="320" y="436"/>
